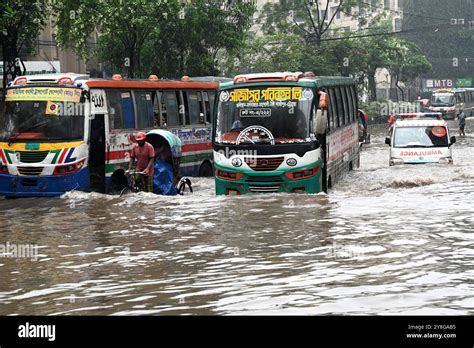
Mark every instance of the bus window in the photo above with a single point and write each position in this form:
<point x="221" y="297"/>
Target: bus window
<point x="340" y="108"/>
<point x="115" y="109"/>
<point x="202" y="107"/>
<point x="207" y="106"/>
<point x="182" y="109"/>
<point x="155" y="99"/>
<point x="170" y="103"/>
<point x="144" y="109"/>
<point x="345" y="104"/>
<point x="350" y="103"/>
<point x="194" y="107"/>
<point x="127" y="110"/>
<point x="212" y="97"/>
<point x="354" y="101"/>
<point x="333" y="108"/>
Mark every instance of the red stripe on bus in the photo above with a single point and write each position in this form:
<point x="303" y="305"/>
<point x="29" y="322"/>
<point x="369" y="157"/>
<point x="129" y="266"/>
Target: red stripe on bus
<point x="152" y="85"/>
<point x="114" y="155"/>
<point x="63" y="153"/>
<point x="196" y="147"/>
<point x="4" y="161"/>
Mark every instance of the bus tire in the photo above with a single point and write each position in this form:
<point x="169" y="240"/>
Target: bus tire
<point x="206" y="169"/>
<point x="118" y="182"/>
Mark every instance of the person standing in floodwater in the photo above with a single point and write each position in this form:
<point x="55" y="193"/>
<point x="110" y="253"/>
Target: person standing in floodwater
<point x="462" y="122"/>
<point x="391" y="122"/>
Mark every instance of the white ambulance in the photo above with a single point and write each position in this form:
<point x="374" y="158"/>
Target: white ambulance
<point x="420" y="138"/>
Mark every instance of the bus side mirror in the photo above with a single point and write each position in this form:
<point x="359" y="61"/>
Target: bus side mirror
<point x="452" y="140"/>
<point x="320" y="122"/>
<point x="388" y="141"/>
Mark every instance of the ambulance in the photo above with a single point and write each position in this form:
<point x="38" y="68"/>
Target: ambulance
<point x="420" y="138"/>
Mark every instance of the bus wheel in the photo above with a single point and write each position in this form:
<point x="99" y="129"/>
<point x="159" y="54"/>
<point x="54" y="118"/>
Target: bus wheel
<point x="118" y="182"/>
<point x="206" y="169"/>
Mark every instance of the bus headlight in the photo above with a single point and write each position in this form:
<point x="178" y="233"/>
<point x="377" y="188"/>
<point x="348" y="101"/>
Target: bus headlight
<point x="224" y="174"/>
<point x="303" y="174"/>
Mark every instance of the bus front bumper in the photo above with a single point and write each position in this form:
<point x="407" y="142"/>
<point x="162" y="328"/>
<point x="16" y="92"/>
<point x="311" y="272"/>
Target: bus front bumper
<point x="43" y="186"/>
<point x="268" y="183"/>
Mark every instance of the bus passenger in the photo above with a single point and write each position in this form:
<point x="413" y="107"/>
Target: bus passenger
<point x="462" y="122"/>
<point x="144" y="153"/>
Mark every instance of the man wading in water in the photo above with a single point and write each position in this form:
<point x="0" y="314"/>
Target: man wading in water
<point x="144" y="153"/>
<point x="462" y="123"/>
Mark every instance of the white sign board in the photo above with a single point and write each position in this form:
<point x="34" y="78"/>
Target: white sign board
<point x="38" y="67"/>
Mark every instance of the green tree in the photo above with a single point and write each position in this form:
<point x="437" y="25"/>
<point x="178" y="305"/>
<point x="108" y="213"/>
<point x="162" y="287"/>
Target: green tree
<point x="20" y="24"/>
<point x="168" y="38"/>
<point x="306" y="18"/>
<point x="406" y="62"/>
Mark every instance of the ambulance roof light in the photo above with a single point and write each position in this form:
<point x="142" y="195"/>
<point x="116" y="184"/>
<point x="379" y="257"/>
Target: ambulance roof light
<point x="20" y="80"/>
<point x="65" y="81"/>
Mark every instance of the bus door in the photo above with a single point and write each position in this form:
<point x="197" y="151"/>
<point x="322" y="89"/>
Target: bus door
<point x="97" y="141"/>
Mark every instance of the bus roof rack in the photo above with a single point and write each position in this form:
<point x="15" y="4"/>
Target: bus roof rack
<point x="269" y="77"/>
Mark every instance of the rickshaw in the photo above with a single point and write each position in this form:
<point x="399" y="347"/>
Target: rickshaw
<point x="167" y="179"/>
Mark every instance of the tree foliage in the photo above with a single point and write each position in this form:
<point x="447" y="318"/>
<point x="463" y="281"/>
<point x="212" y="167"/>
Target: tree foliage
<point x="20" y="24"/>
<point x="168" y="38"/>
<point x="307" y="40"/>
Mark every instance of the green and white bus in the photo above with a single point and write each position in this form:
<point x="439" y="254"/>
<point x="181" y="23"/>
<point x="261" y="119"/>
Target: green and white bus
<point x="284" y="132"/>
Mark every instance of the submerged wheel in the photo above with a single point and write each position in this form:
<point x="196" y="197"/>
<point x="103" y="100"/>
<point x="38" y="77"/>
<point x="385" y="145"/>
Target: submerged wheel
<point x="206" y="170"/>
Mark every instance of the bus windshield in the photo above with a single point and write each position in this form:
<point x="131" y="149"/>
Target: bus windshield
<point x="263" y="115"/>
<point x="48" y="120"/>
<point x="442" y="99"/>
<point x="431" y="136"/>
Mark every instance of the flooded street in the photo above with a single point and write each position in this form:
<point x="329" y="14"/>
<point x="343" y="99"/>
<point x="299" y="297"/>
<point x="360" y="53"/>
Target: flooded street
<point x="386" y="240"/>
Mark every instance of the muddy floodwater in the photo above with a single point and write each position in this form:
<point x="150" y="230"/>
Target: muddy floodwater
<point x="386" y="240"/>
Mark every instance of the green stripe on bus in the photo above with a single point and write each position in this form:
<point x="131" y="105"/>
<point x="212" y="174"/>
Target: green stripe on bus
<point x="56" y="155"/>
<point x="7" y="155"/>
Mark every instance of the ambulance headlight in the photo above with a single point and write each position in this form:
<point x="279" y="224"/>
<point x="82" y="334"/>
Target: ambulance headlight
<point x="445" y="160"/>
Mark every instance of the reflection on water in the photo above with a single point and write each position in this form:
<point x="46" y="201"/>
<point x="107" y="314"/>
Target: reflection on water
<point x="387" y="240"/>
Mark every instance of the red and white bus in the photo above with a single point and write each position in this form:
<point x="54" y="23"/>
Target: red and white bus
<point x="67" y="132"/>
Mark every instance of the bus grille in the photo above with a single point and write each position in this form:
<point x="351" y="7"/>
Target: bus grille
<point x="30" y="171"/>
<point x="264" y="179"/>
<point x="32" y="156"/>
<point x="263" y="164"/>
<point x="264" y="189"/>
